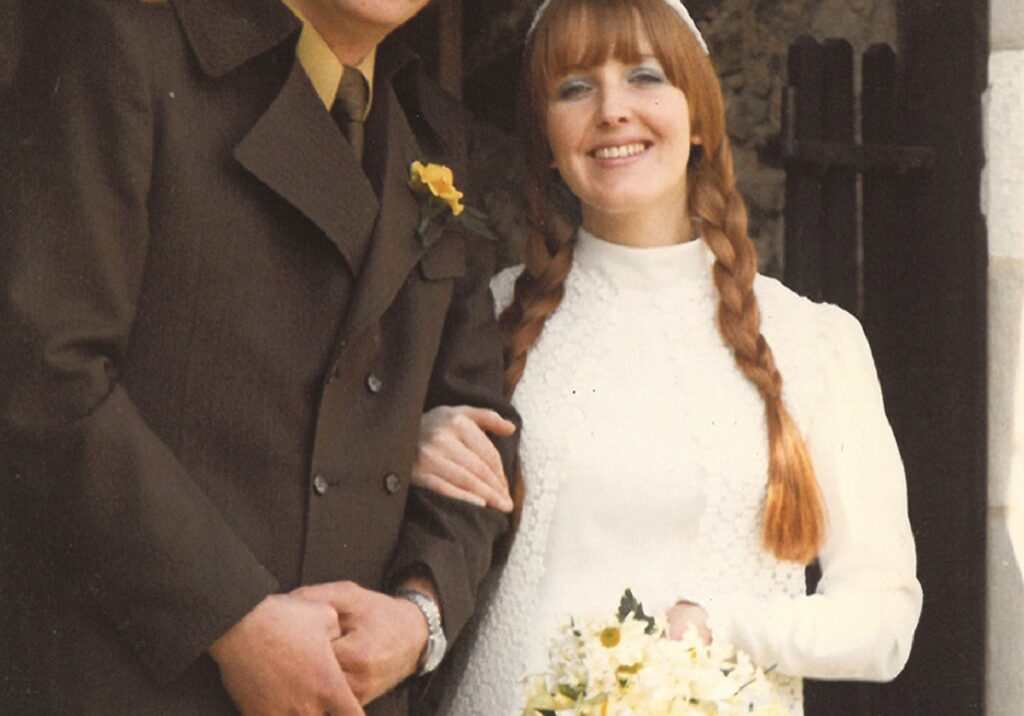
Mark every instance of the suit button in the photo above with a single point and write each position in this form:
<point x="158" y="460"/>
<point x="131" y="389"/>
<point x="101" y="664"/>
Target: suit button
<point x="319" y="484"/>
<point x="392" y="483"/>
<point x="374" y="383"/>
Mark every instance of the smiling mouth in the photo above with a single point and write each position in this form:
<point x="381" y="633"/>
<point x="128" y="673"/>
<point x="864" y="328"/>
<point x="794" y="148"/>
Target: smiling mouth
<point x="620" y="151"/>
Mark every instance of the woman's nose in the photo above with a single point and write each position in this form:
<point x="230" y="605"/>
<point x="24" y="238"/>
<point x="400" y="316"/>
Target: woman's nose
<point x="613" y="107"/>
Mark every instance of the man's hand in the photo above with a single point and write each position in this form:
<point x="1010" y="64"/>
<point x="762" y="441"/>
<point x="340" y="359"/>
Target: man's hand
<point x="382" y="637"/>
<point x="279" y="660"/>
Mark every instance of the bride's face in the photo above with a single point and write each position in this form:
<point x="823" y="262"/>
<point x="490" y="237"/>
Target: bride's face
<point x="620" y="135"/>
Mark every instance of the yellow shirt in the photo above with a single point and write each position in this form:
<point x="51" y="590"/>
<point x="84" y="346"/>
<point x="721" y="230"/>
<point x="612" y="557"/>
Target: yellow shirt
<point x="322" y="65"/>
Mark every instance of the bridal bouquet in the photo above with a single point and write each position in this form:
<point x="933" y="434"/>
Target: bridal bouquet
<point x="625" y="665"/>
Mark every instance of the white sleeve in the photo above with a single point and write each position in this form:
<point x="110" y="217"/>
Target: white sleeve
<point x="860" y="623"/>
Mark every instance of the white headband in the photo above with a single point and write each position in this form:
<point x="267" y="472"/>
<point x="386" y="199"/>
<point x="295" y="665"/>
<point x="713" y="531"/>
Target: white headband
<point x="676" y="5"/>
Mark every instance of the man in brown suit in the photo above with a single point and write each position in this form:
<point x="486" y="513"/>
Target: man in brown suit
<point x="218" y="331"/>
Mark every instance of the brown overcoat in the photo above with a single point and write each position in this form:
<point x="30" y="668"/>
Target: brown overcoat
<point x="218" y="334"/>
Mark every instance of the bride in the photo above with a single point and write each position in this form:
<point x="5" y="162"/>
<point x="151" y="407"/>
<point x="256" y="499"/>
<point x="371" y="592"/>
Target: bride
<point x="661" y="450"/>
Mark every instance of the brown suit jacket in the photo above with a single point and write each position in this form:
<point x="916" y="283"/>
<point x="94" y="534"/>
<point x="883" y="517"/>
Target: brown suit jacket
<point x="218" y="337"/>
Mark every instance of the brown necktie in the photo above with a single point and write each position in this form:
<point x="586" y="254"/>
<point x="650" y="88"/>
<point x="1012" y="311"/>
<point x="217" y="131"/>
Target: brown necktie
<point x="350" y="106"/>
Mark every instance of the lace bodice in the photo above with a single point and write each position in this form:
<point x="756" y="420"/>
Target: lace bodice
<point x="645" y="454"/>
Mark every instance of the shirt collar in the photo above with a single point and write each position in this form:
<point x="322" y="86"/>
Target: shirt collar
<point x="322" y="65"/>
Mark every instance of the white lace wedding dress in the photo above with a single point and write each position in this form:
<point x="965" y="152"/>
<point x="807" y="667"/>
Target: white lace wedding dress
<point x="644" y="454"/>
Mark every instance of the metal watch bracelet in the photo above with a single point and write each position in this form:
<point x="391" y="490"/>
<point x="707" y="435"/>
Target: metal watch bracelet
<point x="436" y="642"/>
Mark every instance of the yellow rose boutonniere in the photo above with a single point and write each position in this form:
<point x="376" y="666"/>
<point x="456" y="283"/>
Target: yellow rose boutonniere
<point x="436" y="184"/>
<point x="437" y="180"/>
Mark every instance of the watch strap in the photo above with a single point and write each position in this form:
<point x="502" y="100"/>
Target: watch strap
<point x="436" y="642"/>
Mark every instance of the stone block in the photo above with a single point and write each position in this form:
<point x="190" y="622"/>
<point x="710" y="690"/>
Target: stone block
<point x="1006" y="383"/>
<point x="1003" y="183"/>
<point x="1007" y="25"/>
<point x="1004" y="677"/>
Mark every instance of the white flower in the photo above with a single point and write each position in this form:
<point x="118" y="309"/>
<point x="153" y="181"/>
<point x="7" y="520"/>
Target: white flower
<point x="603" y="667"/>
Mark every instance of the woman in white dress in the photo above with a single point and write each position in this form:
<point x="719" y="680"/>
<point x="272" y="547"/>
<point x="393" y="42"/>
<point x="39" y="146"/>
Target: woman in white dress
<point x="661" y="450"/>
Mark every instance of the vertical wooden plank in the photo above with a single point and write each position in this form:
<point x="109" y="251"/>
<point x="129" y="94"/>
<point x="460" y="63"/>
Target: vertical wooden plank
<point x="803" y="213"/>
<point x="11" y="40"/>
<point x="422" y="34"/>
<point x="885" y="261"/>
<point x="839" y="189"/>
<point x="450" y="46"/>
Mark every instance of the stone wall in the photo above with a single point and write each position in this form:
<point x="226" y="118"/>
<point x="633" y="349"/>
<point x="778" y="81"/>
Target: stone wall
<point x="1003" y="203"/>
<point x="749" y="40"/>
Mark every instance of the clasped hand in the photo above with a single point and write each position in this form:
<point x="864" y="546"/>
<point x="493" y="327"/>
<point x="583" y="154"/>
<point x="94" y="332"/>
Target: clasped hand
<point x="329" y="648"/>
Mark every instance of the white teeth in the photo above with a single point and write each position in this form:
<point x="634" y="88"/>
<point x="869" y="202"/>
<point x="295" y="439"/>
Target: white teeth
<point x="625" y="150"/>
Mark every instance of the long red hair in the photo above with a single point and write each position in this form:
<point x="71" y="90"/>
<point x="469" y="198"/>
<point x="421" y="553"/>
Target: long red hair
<point x="585" y="33"/>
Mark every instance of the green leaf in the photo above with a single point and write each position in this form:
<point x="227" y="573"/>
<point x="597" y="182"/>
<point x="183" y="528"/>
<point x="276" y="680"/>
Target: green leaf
<point x="477" y="223"/>
<point x="630" y="605"/>
<point x="421" y="229"/>
<point x="568" y="691"/>
<point x="627" y="605"/>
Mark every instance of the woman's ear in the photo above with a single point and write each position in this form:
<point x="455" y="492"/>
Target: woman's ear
<point x="696" y="139"/>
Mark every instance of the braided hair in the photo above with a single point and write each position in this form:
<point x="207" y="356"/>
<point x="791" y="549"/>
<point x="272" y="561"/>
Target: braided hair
<point x="585" y="33"/>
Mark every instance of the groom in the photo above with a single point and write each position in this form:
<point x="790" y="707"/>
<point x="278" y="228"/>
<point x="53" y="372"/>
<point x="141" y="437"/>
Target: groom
<point x="219" y="326"/>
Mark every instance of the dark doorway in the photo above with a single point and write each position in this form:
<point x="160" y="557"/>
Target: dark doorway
<point x="935" y="377"/>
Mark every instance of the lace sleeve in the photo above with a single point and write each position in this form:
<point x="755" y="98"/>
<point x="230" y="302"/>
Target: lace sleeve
<point x="861" y="621"/>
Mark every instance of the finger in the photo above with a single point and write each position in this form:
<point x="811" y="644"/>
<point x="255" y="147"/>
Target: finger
<point x="338" y="595"/>
<point x="447" y="489"/>
<point x="352" y="661"/>
<point x="461" y="467"/>
<point x="473" y="450"/>
<point x="341" y="700"/>
<point x="483" y="449"/>
<point x="489" y="420"/>
<point x="439" y="457"/>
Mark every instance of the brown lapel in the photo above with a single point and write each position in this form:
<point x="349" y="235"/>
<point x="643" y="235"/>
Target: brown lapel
<point x="296" y="150"/>
<point x="415" y="127"/>
<point x="295" y="147"/>
<point x="395" y="247"/>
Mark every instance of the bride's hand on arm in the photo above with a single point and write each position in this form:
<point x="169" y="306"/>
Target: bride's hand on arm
<point x="685" y="614"/>
<point x="456" y="458"/>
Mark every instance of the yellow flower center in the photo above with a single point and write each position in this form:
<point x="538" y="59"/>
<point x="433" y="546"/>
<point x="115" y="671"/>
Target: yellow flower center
<point x="610" y="637"/>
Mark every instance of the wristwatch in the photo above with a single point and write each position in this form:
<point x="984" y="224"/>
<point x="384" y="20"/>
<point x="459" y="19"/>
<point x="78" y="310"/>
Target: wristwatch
<point x="436" y="643"/>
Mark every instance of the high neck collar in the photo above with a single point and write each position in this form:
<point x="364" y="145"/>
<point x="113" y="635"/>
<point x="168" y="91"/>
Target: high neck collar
<point x="631" y="267"/>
